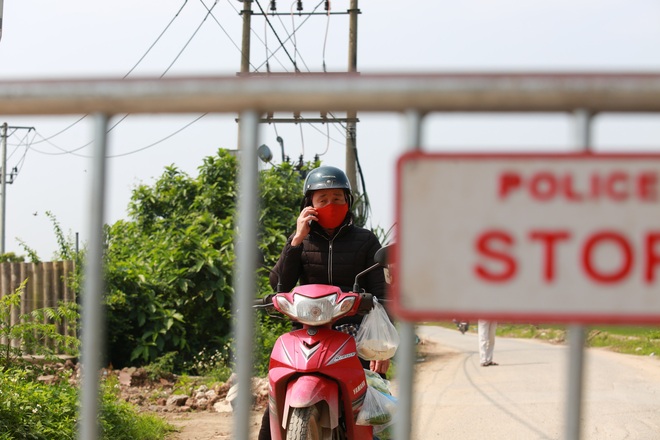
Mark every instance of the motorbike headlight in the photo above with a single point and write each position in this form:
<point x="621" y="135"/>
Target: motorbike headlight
<point x="315" y="311"/>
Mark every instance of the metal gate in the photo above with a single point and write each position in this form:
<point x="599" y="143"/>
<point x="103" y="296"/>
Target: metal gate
<point x="413" y="96"/>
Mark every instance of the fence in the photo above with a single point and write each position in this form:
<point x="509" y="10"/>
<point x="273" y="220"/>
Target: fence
<point x="413" y="95"/>
<point x="46" y="285"/>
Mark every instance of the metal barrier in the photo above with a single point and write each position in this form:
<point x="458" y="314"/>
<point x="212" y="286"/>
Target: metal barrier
<point x="412" y="95"/>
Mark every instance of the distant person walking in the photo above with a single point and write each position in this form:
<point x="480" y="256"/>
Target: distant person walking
<point x="486" y="330"/>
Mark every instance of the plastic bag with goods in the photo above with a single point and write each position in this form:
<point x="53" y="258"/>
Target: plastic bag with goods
<point x="378" y="408"/>
<point x="376" y="380"/>
<point x="384" y="432"/>
<point x="377" y="338"/>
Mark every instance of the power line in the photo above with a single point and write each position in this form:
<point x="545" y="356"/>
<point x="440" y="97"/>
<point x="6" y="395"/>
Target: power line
<point x="158" y="141"/>
<point x="153" y="144"/>
<point x="278" y="38"/>
<point x="46" y="139"/>
<point x="185" y="2"/>
<point x="158" y="38"/>
<point x="191" y="37"/>
<point x="325" y="39"/>
<point x="3" y="177"/>
<point x="177" y="14"/>
<point x="222" y="27"/>
<point x="290" y="36"/>
<point x="287" y="39"/>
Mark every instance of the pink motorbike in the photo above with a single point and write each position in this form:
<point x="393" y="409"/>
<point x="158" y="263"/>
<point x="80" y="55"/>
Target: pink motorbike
<point x="316" y="382"/>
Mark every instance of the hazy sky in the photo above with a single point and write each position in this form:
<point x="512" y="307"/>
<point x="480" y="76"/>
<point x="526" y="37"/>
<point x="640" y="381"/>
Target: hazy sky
<point x="156" y="38"/>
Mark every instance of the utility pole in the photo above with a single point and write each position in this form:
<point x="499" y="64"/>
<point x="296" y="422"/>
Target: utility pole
<point x="351" y="117"/>
<point x="3" y="177"/>
<point x="245" y="41"/>
<point x="3" y="187"/>
<point x="1" y="4"/>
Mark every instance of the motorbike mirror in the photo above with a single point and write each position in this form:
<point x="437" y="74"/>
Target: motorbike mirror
<point x="382" y="257"/>
<point x="385" y="255"/>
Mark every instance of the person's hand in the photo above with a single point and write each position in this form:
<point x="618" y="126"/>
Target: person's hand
<point x="302" y="225"/>
<point x="379" y="366"/>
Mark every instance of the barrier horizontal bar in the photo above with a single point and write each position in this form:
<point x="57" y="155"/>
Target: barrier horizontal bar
<point x="501" y="92"/>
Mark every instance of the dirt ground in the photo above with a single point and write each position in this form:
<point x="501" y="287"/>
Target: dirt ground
<point x="207" y="425"/>
<point x="620" y="394"/>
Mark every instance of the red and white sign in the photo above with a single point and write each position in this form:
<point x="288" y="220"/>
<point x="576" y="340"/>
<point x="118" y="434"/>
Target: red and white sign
<point x="555" y="238"/>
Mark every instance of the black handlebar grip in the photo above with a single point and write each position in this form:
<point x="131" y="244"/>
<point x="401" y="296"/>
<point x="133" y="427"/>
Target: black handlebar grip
<point x="265" y="301"/>
<point x="366" y="303"/>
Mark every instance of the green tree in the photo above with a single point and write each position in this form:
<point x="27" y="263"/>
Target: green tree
<point x="11" y="257"/>
<point x="170" y="265"/>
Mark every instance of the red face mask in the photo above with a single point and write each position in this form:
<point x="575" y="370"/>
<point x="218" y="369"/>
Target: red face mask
<point x="331" y="215"/>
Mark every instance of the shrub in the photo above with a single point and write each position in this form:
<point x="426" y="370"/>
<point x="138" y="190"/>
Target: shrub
<point x="32" y="410"/>
<point x="31" y="331"/>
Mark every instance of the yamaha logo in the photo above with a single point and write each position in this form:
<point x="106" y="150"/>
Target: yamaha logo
<point x="359" y="388"/>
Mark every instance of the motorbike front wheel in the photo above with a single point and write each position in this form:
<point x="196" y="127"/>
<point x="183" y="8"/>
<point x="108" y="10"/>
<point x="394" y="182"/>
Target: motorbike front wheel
<point x="305" y="424"/>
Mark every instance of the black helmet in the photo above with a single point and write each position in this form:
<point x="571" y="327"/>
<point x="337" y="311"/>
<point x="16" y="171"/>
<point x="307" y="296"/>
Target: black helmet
<point x="326" y="177"/>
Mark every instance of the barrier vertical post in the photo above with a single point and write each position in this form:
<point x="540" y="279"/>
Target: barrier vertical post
<point x="576" y="332"/>
<point x="92" y="317"/>
<point x="405" y="355"/>
<point x="245" y="288"/>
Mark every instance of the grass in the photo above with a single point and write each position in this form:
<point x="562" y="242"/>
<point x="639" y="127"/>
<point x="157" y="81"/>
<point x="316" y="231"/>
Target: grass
<point x="31" y="409"/>
<point x="643" y="341"/>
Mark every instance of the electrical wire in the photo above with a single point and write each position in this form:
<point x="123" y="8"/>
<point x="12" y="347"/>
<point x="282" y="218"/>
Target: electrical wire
<point x="266" y="44"/>
<point x="278" y="38"/>
<point x="62" y="150"/>
<point x="325" y="39"/>
<point x="159" y="141"/>
<point x="327" y="139"/>
<point x="45" y="139"/>
<point x="296" y="52"/>
<point x="346" y="133"/>
<point x="185" y="2"/>
<point x="289" y="36"/>
<point x="21" y="141"/>
<point x="295" y="38"/>
<point x="292" y="36"/>
<point x="208" y="13"/>
<point x="177" y="131"/>
<point x="256" y="69"/>
<point x="21" y="161"/>
<point x="302" y="141"/>
<point x="222" y="27"/>
<point x="19" y="164"/>
<point x="367" y="204"/>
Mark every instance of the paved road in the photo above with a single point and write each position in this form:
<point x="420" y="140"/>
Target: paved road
<point x="523" y="398"/>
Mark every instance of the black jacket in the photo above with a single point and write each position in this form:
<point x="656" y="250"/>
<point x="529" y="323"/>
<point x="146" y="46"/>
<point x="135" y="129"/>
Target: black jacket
<point x="321" y="259"/>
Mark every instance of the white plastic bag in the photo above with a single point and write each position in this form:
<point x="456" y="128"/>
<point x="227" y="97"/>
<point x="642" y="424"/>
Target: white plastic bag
<point x="384" y="432"/>
<point x="378" y="408"/>
<point x="375" y="380"/>
<point x="377" y="338"/>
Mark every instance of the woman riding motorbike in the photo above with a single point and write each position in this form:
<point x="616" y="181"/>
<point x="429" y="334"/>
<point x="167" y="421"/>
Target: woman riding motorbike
<point x="327" y="248"/>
